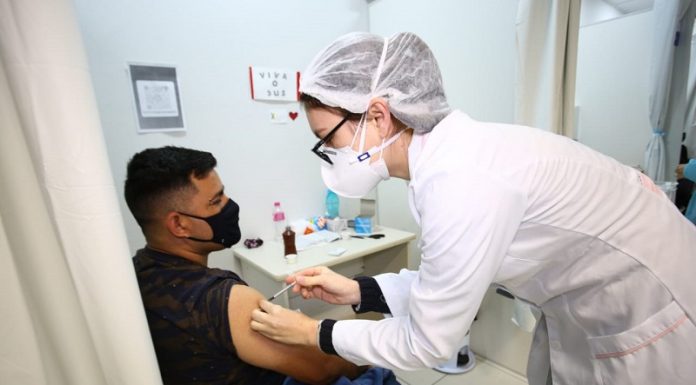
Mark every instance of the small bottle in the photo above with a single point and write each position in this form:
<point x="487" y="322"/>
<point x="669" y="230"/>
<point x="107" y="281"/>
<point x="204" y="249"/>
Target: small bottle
<point x="278" y="221"/>
<point x="289" y="243"/>
<point x="331" y="204"/>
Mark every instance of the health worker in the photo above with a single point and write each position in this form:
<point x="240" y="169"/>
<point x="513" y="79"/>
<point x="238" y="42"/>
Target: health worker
<point x="594" y="244"/>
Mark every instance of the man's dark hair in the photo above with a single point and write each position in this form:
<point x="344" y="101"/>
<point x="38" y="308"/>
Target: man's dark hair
<point x="156" y="177"/>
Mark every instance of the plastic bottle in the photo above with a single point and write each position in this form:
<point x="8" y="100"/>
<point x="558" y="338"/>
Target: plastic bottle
<point x="331" y="204"/>
<point x="289" y="242"/>
<point x="278" y="221"/>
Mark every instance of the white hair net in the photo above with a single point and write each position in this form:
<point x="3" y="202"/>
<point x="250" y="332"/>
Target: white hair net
<point x="348" y="74"/>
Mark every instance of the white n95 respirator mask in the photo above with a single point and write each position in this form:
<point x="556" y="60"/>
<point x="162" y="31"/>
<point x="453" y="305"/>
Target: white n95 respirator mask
<point x="352" y="175"/>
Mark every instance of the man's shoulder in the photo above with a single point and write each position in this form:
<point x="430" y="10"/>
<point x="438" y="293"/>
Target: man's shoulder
<point x="169" y="279"/>
<point x="142" y="260"/>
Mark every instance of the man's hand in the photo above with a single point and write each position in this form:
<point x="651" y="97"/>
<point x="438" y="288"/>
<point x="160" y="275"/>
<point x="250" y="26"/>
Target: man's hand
<point x="680" y="171"/>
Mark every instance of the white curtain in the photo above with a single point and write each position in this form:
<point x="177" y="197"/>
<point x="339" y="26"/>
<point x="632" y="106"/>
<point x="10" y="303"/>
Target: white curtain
<point x="547" y="46"/>
<point x="71" y="311"/>
<point x="690" y="124"/>
<point x="669" y="17"/>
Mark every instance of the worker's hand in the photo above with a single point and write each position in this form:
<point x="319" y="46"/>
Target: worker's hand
<point x="680" y="171"/>
<point x="284" y="325"/>
<point x="324" y="284"/>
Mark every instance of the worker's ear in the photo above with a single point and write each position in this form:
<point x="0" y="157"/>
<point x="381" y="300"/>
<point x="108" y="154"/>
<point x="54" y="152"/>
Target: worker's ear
<point x="378" y="111"/>
<point x="177" y="224"/>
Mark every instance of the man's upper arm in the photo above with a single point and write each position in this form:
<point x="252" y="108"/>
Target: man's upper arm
<point x="307" y="364"/>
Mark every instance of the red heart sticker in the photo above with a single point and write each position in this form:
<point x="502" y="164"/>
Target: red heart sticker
<point x="293" y="115"/>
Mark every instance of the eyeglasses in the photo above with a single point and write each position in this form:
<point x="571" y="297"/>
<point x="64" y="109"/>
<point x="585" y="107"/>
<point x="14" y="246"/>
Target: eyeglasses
<point x="321" y="153"/>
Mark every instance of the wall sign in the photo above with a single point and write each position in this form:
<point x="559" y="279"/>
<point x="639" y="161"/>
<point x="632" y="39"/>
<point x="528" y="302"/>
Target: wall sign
<point x="274" y="84"/>
<point x="157" y="99"/>
<point x="282" y="116"/>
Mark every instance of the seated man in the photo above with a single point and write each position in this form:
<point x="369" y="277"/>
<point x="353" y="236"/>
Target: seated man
<point x="198" y="316"/>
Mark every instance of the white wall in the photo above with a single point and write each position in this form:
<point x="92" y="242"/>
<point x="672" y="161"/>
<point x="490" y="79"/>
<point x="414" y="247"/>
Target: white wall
<point x="212" y="43"/>
<point x="473" y="41"/>
<point x="612" y="86"/>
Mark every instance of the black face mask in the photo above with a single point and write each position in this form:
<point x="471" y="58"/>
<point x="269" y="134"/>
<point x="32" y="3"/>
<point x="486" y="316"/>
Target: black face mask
<point x="225" y="225"/>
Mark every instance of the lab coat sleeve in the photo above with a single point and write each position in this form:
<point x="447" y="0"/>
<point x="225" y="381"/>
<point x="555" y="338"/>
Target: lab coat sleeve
<point x="690" y="170"/>
<point x="469" y="220"/>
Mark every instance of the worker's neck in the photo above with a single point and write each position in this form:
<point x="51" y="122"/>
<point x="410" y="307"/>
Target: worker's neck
<point x="398" y="156"/>
<point x="179" y="249"/>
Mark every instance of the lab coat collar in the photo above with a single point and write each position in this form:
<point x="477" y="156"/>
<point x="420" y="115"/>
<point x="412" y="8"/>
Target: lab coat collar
<point x="423" y="145"/>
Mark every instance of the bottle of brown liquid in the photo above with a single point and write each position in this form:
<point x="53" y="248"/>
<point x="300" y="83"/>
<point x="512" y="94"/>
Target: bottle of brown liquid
<point x="289" y="241"/>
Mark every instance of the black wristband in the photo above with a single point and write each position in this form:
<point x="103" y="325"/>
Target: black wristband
<point x="325" y="336"/>
<point x="371" y="296"/>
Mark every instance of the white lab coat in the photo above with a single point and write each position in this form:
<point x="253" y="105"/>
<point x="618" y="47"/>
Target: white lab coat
<point x="593" y="243"/>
